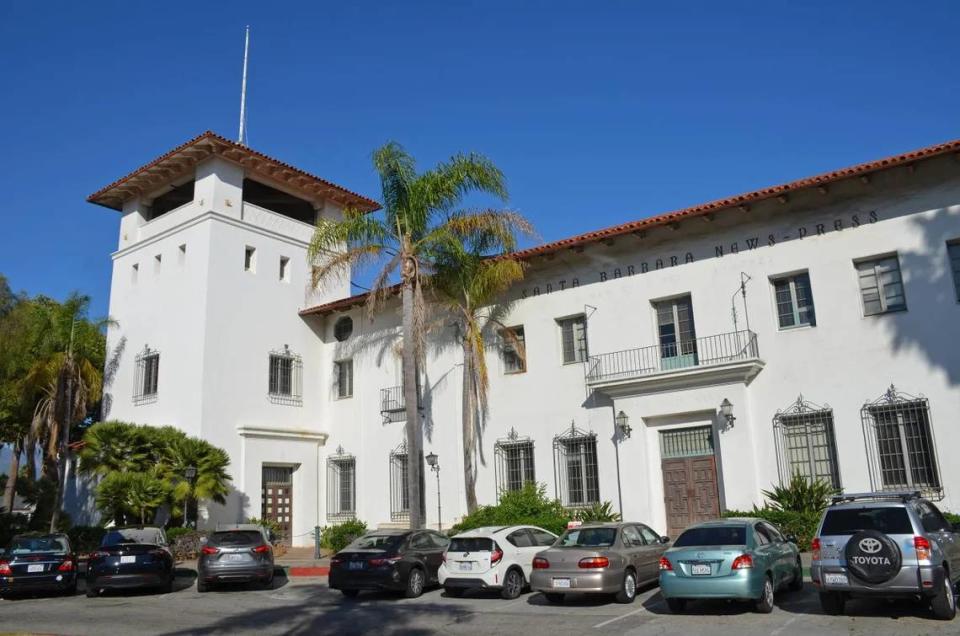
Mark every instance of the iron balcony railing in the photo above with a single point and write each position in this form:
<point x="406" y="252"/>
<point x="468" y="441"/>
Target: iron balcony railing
<point x="393" y="406"/>
<point x="674" y="356"/>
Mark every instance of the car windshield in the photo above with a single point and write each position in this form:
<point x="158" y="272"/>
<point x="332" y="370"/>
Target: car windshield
<point x="885" y="519"/>
<point x="131" y="535"/>
<point x="376" y="542"/>
<point x="235" y="537"/>
<point x="470" y="544"/>
<point x="588" y="538"/>
<point x="31" y="545"/>
<point x="712" y="535"/>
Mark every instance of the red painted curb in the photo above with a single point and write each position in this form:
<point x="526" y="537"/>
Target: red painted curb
<point x="309" y="571"/>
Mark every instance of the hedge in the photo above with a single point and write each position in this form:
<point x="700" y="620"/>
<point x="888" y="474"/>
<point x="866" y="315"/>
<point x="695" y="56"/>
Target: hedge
<point x="802" y="525"/>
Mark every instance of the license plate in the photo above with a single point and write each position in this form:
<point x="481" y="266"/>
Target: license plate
<point x="35" y="568"/>
<point x="700" y="569"/>
<point x="561" y="582"/>
<point x="235" y="557"/>
<point x="466" y="566"/>
<point x="835" y="579"/>
<point x="128" y="559"/>
<point x="355" y="565"/>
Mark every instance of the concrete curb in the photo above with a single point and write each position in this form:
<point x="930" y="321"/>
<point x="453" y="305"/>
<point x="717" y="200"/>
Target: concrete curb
<point x="308" y="571"/>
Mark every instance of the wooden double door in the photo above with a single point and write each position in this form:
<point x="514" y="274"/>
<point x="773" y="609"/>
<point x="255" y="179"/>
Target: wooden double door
<point x="276" y="498"/>
<point x="690" y="491"/>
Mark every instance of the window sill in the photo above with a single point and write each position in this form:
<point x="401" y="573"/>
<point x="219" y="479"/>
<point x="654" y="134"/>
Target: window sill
<point x="797" y="327"/>
<point x="343" y="397"/>
<point x="286" y="400"/>
<point x="514" y="372"/>
<point x="887" y="312"/>
<point x="145" y="399"/>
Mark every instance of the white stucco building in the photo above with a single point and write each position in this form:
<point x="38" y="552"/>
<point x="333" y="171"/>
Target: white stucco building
<point x="822" y="313"/>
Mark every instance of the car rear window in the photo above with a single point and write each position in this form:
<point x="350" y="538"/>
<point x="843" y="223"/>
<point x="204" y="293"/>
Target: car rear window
<point x="236" y="537"/>
<point x="131" y="535"/>
<point x="712" y="535"/>
<point x="888" y="520"/>
<point x="376" y="542"/>
<point x="470" y="544"/>
<point x="588" y="538"/>
<point x="31" y="545"/>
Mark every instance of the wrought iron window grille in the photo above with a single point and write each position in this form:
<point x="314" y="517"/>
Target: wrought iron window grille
<point x="806" y="443"/>
<point x="285" y="377"/>
<point x="147" y="376"/>
<point x="514" y="465"/>
<point x="341" y="486"/>
<point x="901" y="447"/>
<point x="399" y="475"/>
<point x="575" y="467"/>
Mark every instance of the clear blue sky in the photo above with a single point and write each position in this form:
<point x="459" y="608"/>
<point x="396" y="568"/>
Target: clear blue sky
<point x="598" y="112"/>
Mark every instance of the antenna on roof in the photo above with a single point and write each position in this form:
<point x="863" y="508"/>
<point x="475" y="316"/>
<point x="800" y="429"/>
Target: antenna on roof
<point x="243" y="91"/>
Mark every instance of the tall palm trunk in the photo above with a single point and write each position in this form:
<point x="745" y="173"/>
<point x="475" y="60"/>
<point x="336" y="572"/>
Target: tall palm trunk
<point x="413" y="427"/>
<point x="10" y="490"/>
<point x="469" y="430"/>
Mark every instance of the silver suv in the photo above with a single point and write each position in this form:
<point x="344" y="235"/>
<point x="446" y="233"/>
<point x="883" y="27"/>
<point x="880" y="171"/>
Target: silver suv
<point x="886" y="545"/>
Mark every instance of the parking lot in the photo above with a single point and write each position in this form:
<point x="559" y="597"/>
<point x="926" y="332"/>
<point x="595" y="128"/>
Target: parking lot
<point x="307" y="606"/>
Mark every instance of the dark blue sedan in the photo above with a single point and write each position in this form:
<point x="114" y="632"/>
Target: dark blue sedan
<point x="38" y="563"/>
<point x="131" y="558"/>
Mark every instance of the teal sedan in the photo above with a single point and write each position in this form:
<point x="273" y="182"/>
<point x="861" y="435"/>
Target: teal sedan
<point x="734" y="559"/>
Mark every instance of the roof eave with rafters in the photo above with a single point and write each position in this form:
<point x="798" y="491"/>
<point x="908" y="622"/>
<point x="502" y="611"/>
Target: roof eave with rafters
<point x="672" y="218"/>
<point x="182" y="160"/>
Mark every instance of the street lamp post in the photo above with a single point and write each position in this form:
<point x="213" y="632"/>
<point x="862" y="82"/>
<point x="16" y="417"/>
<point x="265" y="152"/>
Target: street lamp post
<point x="190" y="472"/>
<point x="435" y="467"/>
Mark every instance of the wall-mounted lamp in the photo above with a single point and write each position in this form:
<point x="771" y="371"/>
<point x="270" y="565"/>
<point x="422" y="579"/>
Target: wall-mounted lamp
<point x="623" y="425"/>
<point x="726" y="410"/>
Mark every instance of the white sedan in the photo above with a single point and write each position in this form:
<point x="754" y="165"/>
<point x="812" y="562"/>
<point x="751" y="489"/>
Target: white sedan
<point x="498" y="557"/>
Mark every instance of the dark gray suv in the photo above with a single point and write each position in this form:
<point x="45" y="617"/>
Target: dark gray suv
<point x="886" y="545"/>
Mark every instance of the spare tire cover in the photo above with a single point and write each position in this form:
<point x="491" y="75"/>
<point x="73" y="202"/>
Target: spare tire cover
<point x="872" y="556"/>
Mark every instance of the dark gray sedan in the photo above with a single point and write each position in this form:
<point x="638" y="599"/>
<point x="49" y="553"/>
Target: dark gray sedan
<point x="238" y="555"/>
<point x="608" y="558"/>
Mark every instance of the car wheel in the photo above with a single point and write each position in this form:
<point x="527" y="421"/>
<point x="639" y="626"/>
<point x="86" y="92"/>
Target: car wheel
<point x="628" y="589"/>
<point x="415" y="581"/>
<point x="202" y="586"/>
<point x="764" y="604"/>
<point x="512" y="585"/>
<point x="832" y="603"/>
<point x="350" y="593"/>
<point x="677" y="605"/>
<point x="455" y="592"/>
<point x="92" y="592"/>
<point x="944" y="604"/>
<point x="796" y="584"/>
<point x="553" y="597"/>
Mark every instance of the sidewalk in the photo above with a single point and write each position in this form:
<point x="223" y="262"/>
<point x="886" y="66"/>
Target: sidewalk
<point x="300" y="562"/>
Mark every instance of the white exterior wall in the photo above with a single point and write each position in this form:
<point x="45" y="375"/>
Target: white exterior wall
<point x="215" y="324"/>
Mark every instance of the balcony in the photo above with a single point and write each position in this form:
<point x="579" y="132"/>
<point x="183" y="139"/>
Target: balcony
<point x="393" y="406"/>
<point x="723" y="358"/>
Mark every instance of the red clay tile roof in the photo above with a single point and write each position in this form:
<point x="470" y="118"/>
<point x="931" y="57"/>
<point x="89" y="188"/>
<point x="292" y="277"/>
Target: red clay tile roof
<point x="703" y="209"/>
<point x="182" y="159"/>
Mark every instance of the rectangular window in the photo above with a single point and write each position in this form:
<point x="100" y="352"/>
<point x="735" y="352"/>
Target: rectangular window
<point x="157" y="261"/>
<point x="513" y="350"/>
<point x="284" y="269"/>
<point x="579" y="466"/>
<point x="285" y="377"/>
<point x="344" y="369"/>
<point x="341" y="482"/>
<point x="794" y="301"/>
<point x="677" y="334"/>
<point x="809" y="447"/>
<point x="249" y="259"/>
<point x="905" y="447"/>
<point x="399" y="474"/>
<point x="573" y="335"/>
<point x="515" y="465"/>
<point x="881" y="285"/>
<point x="953" y="252"/>
<point x="134" y="272"/>
<point x="182" y="254"/>
<point x="148" y="376"/>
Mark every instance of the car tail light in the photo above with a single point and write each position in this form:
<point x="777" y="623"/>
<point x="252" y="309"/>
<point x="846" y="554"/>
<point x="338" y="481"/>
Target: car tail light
<point x="593" y="562"/>
<point x="99" y="554"/>
<point x="260" y="549"/>
<point x="665" y="564"/>
<point x="209" y="550"/>
<point x="158" y="553"/>
<point x="815" y="548"/>
<point x="384" y="561"/>
<point x="335" y="561"/>
<point x="496" y="555"/>
<point x="5" y="569"/>
<point x="539" y="563"/>
<point x="66" y="566"/>
<point x="742" y="562"/>
<point x="922" y="546"/>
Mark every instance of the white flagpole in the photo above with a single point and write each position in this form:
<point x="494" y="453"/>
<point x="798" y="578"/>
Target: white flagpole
<point x="243" y="90"/>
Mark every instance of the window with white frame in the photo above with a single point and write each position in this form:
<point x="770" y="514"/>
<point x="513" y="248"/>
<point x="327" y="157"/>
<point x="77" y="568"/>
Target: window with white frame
<point x="573" y="338"/>
<point x="341" y="486"/>
<point x="794" y="301"/>
<point x="344" y="371"/>
<point x="881" y="285"/>
<point x="953" y="252"/>
<point x="284" y="384"/>
<point x="147" y="380"/>
<point x="513" y="350"/>
<point x="514" y="462"/>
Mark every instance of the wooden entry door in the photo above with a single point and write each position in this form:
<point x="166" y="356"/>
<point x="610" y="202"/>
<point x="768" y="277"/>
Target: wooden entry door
<point x="690" y="492"/>
<point x="277" y="498"/>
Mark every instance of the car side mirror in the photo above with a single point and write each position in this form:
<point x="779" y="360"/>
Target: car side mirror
<point x="792" y="539"/>
<point x="664" y="539"/>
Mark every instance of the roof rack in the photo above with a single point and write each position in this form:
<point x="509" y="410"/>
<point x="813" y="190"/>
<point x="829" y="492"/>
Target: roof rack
<point x="903" y="495"/>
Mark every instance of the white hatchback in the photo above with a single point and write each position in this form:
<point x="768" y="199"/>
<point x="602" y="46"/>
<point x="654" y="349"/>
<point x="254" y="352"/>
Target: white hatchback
<point x="498" y="557"/>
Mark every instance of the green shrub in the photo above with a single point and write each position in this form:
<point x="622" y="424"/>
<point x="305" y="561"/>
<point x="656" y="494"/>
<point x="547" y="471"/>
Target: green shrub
<point x="10" y="526"/>
<point x="529" y="505"/>
<point x="601" y="512"/>
<point x="176" y="532"/>
<point x="85" y="539"/>
<point x="801" y="495"/>
<point x="952" y="517"/>
<point x="339" y="536"/>
<point x="273" y="528"/>
<point x="802" y="525"/>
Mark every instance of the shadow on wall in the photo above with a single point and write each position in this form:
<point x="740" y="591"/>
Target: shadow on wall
<point x="109" y="373"/>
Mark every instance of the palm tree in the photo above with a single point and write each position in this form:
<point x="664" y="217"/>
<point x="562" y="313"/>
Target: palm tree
<point x="114" y="447"/>
<point x="471" y="285"/>
<point x="421" y="213"/>
<point x="211" y="480"/>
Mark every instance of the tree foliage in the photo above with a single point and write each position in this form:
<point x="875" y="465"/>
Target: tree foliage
<point x="801" y="495"/>
<point x="529" y="505"/>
